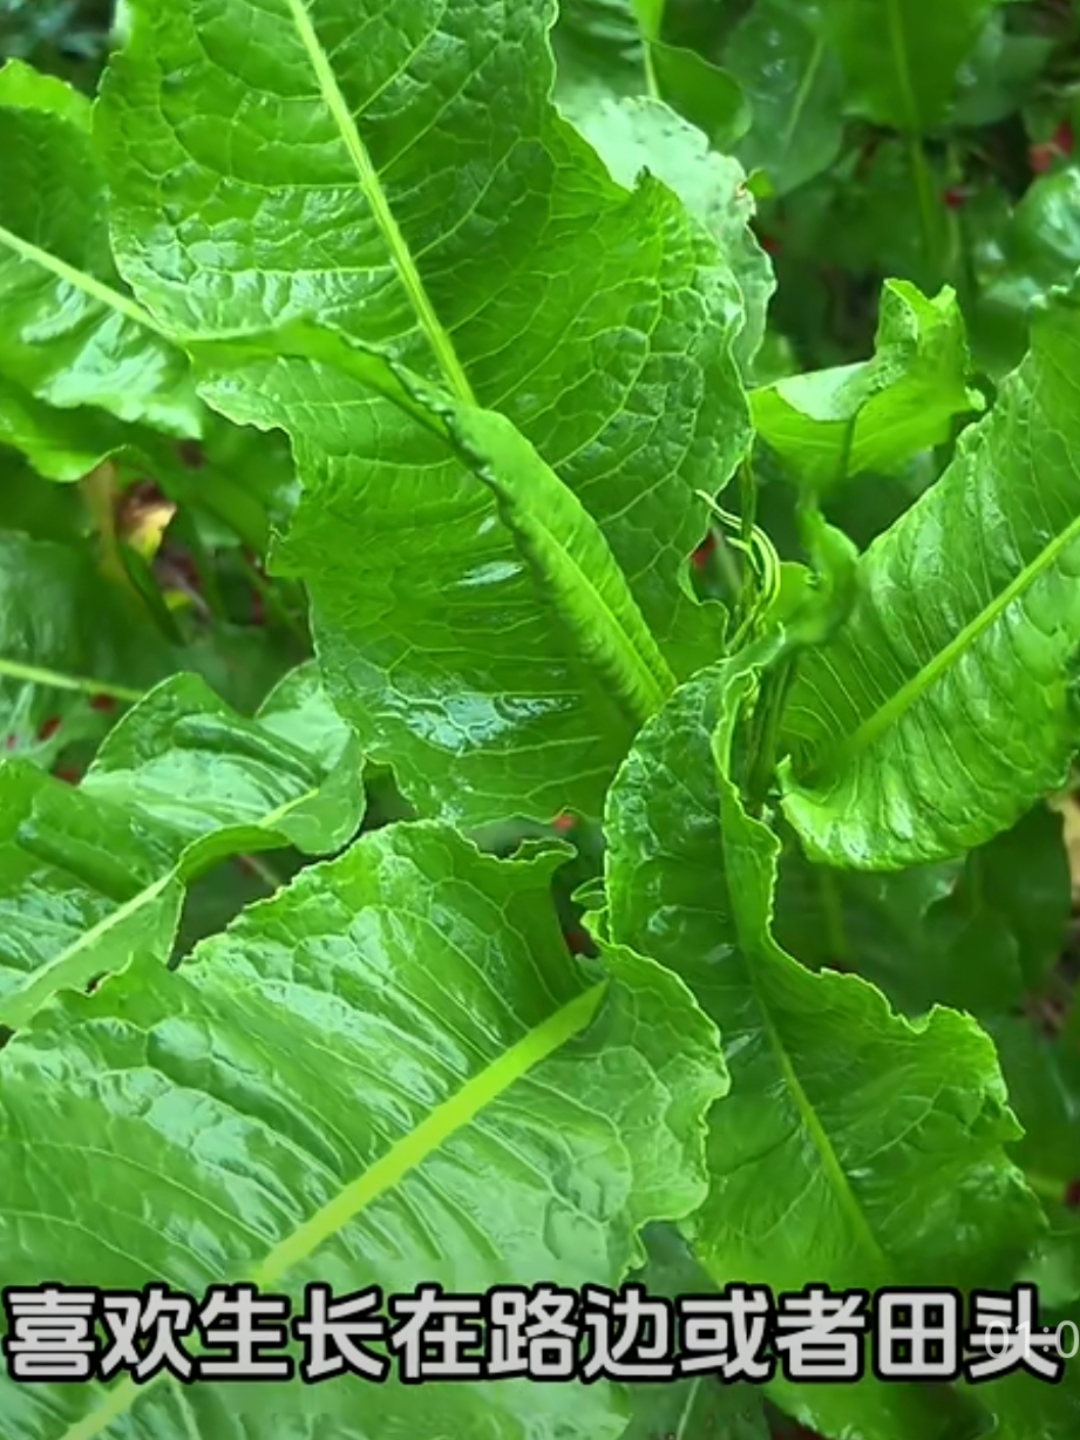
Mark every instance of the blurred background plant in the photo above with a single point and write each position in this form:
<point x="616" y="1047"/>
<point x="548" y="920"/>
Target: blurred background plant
<point x="66" y="37"/>
<point x="939" y="150"/>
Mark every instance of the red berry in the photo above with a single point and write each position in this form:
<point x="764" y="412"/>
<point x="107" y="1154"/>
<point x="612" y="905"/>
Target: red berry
<point x="563" y="823"/>
<point x="955" y="199"/>
<point x="49" y="728"/>
<point x="700" y="557"/>
<point x="102" y="702"/>
<point x="69" y="774"/>
<point x="1072" y="1193"/>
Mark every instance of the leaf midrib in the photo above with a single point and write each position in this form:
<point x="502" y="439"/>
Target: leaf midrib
<point x="651" y="669"/>
<point x="18" y="1008"/>
<point x="452" y="370"/>
<point x="802" y="94"/>
<point x="770" y="952"/>
<point x="819" y="1137"/>
<point x="80" y="280"/>
<point x="482" y="1090"/>
<point x="917" y="686"/>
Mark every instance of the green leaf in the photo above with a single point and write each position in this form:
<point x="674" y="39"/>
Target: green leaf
<point x="856" y="1147"/>
<point x="902" y="57"/>
<point x="66" y="633"/>
<point x="711" y="99"/>
<point x="795" y="87"/>
<point x="502" y="264"/>
<point x="181" y="782"/>
<point x="609" y="49"/>
<point x="76" y="354"/>
<point x="522" y="554"/>
<point x="1029" y="1409"/>
<point x="633" y="136"/>
<point x="36" y="507"/>
<point x="942" y="710"/>
<point x="701" y="1408"/>
<point x="1019" y="255"/>
<point x="1000" y="74"/>
<point x="84" y="375"/>
<point x="409" y="1081"/>
<point x="598" y="52"/>
<point x="875" y="415"/>
<point x="1043" y="1072"/>
<point x="976" y="934"/>
<point x="1042" y="247"/>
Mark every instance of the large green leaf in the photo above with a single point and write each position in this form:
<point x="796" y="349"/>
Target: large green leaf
<point x="876" y="414"/>
<point x="77" y="356"/>
<point x="94" y="876"/>
<point x="857" y="1147"/>
<point x="467" y="229"/>
<point x="795" y="86"/>
<point x="902" y="56"/>
<point x="636" y="135"/>
<point x="392" y="1073"/>
<point x="943" y="708"/>
<point x="542" y="606"/>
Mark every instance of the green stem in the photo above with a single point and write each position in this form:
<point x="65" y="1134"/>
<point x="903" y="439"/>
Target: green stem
<point x="898" y="44"/>
<point x="652" y="88"/>
<point x="55" y="681"/>
<point x="924" y="190"/>
<point x="845" y="454"/>
<point x="748" y="511"/>
<point x="767" y="722"/>
<point x="730" y="571"/>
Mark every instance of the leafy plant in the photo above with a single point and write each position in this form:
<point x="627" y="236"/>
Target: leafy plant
<point x="593" y="496"/>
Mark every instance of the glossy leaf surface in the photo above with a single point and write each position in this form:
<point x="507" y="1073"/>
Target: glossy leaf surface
<point x="838" y="1107"/>
<point x="76" y="355"/>
<point x="500" y="263"/>
<point x="874" y="415"/>
<point x="181" y="782"/>
<point x="943" y="708"/>
<point x="314" y="1097"/>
